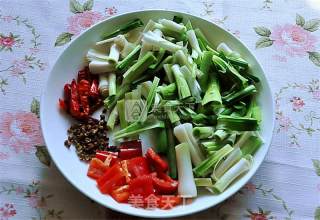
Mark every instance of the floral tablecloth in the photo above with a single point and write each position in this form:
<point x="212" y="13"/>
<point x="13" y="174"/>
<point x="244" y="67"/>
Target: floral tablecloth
<point x="283" y="34"/>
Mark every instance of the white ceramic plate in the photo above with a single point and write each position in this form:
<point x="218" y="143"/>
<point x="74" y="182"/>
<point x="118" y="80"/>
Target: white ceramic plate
<point x="55" y="124"/>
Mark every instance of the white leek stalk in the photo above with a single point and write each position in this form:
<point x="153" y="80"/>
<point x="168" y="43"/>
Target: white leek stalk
<point x="187" y="187"/>
<point x="232" y="158"/>
<point x="99" y="66"/>
<point x="241" y="167"/>
<point x="157" y="41"/>
<point x="171" y="25"/>
<point x="196" y="51"/>
<point x="183" y="133"/>
<point x="103" y="85"/>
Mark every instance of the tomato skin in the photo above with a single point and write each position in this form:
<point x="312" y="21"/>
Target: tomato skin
<point x="141" y="186"/>
<point x="96" y="169"/>
<point x="156" y="160"/>
<point x="138" y="166"/>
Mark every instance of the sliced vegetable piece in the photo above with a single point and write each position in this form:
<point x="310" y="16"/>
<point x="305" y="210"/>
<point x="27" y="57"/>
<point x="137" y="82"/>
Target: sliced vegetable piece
<point x="187" y="187"/>
<point x="124" y="28"/>
<point x="206" y="166"/>
<point x="156" y="160"/>
<point x="235" y="171"/>
<point x="226" y="122"/>
<point x="96" y="168"/>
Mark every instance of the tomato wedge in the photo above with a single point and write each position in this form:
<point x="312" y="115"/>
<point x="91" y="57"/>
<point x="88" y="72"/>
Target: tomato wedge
<point x="156" y="160"/>
<point x="121" y="194"/>
<point x="96" y="168"/>
<point x="138" y="166"/>
<point x="164" y="184"/>
<point x="141" y="186"/>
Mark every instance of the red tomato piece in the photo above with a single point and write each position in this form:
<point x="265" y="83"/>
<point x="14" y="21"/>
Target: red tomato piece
<point x="141" y="186"/>
<point x="138" y="166"/>
<point x="121" y="194"/>
<point x="96" y="168"/>
<point x="156" y="160"/>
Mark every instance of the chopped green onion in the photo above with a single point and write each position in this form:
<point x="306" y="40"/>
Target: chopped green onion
<point x="202" y="132"/>
<point x="225" y="165"/>
<point x="112" y="84"/>
<point x="235" y="171"/>
<point x="237" y="123"/>
<point x="207" y="165"/>
<point x="113" y="116"/>
<point x="212" y="94"/>
<point x="125" y="28"/>
<point x="203" y="182"/>
<point x="139" y="67"/>
<point x="235" y="97"/>
<point x="183" y="88"/>
<point x="128" y="60"/>
<point x="171" y="154"/>
<point x="121" y="111"/>
<point x="138" y="127"/>
<point x="169" y="91"/>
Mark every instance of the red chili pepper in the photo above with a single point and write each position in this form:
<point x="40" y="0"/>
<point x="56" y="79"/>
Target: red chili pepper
<point x="138" y="166"/>
<point x="130" y="144"/>
<point x="164" y="184"/>
<point x="94" y="89"/>
<point x="103" y="155"/>
<point x="74" y="106"/>
<point x="83" y="90"/>
<point x="96" y="168"/>
<point x="128" y="153"/>
<point x="83" y="74"/>
<point x="156" y="160"/>
<point x="67" y="92"/>
<point x="62" y="105"/>
<point x="142" y="186"/>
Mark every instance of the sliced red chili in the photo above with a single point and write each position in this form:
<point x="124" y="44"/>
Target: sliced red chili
<point x="96" y="168"/>
<point x="121" y="194"/>
<point x="138" y="166"/>
<point x="131" y="144"/>
<point x="141" y="186"/>
<point x="74" y="106"/>
<point x="163" y="186"/>
<point x="94" y="89"/>
<point x="129" y="153"/>
<point x="156" y="160"/>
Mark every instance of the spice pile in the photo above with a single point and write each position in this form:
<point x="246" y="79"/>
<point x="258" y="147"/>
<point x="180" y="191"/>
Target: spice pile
<point x="88" y="137"/>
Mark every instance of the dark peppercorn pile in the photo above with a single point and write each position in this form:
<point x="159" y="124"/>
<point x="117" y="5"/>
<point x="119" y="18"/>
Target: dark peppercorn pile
<point x="88" y="137"/>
